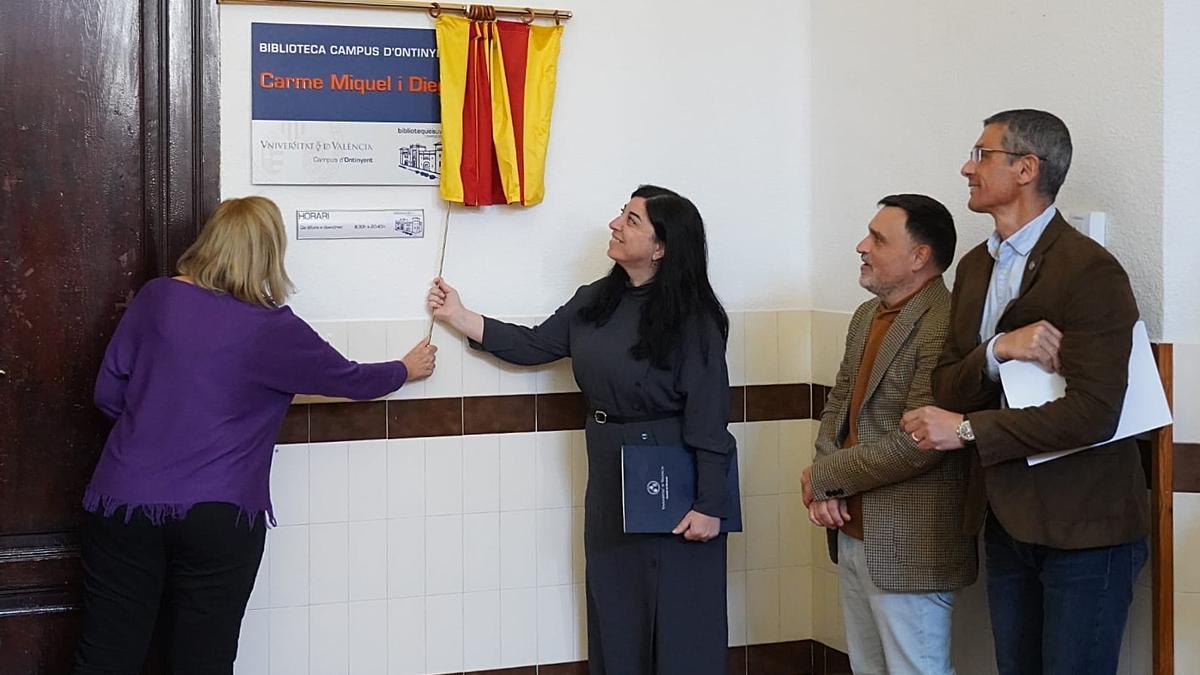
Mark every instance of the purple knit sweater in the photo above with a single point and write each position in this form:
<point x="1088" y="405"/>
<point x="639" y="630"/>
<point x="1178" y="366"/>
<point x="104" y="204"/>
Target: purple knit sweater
<point x="198" y="383"/>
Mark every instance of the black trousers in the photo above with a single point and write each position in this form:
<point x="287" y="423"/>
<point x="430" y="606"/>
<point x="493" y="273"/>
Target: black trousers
<point x="200" y="569"/>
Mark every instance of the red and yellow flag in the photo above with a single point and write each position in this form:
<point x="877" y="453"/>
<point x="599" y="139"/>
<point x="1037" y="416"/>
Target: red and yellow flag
<point x="497" y="92"/>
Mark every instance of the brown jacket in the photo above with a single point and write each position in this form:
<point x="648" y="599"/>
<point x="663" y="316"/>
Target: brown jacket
<point x="912" y="499"/>
<point x="1092" y="498"/>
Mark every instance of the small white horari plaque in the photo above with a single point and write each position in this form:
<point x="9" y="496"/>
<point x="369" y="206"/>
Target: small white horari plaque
<point x="360" y="224"/>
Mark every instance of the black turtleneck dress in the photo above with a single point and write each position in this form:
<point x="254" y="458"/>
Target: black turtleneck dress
<point x="655" y="602"/>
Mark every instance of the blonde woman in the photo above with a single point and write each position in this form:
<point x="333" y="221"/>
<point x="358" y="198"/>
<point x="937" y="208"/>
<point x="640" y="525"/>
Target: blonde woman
<point x="197" y="379"/>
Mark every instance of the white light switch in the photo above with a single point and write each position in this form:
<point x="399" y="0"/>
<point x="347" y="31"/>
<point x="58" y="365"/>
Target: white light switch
<point x="1091" y="223"/>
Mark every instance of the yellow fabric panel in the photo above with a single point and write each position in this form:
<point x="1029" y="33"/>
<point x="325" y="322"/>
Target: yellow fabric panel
<point x="453" y="43"/>
<point x="541" y="77"/>
<point x="503" y="136"/>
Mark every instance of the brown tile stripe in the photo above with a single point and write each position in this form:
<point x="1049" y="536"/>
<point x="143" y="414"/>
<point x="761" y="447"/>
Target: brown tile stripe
<point x="499" y="414"/>
<point x="778" y="402"/>
<point x="295" y="425"/>
<point x="737" y="404"/>
<point x="560" y="412"/>
<point x="1186" y="467"/>
<point x="831" y="661"/>
<point x="737" y="661"/>
<point x="801" y="657"/>
<point x="347" y="421"/>
<point x="780" y="657"/>
<point x="820" y="394"/>
<point x="422" y="418"/>
<point x="575" y="668"/>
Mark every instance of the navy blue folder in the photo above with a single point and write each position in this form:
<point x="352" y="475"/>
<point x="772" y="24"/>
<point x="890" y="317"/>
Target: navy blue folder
<point x="658" y="485"/>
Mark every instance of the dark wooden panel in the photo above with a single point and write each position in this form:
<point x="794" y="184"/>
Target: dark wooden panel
<point x="181" y="124"/>
<point x="71" y="240"/>
<point x="1162" y="528"/>
<point x="86" y="160"/>
<point x="108" y="165"/>
<point x="39" y="562"/>
<point x="37" y="635"/>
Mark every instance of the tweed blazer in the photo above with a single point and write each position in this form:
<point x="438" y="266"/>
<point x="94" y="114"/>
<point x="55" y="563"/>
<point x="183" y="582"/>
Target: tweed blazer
<point x="1092" y="498"/>
<point x="912" y="499"/>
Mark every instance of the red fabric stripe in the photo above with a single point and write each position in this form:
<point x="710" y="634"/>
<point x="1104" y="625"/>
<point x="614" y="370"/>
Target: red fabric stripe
<point x="470" y="141"/>
<point x="514" y="41"/>
<point x="480" y="175"/>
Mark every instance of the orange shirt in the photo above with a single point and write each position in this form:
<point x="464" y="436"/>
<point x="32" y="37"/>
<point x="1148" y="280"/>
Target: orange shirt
<point x="884" y="318"/>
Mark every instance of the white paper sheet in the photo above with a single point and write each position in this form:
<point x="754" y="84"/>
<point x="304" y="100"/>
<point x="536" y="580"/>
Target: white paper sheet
<point x="1027" y="385"/>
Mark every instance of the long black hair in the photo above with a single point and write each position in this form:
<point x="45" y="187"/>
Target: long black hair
<point x="680" y="292"/>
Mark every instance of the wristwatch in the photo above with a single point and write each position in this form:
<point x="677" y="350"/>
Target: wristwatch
<point x="964" y="431"/>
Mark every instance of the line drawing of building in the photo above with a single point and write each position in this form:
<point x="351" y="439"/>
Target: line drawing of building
<point x="422" y="160"/>
<point x="411" y="225"/>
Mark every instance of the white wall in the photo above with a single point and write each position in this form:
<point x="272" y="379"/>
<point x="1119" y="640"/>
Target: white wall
<point x="647" y="92"/>
<point x="1181" y="236"/>
<point x="900" y="89"/>
<point x="785" y="128"/>
<point x="434" y="555"/>
<point x="1181" y="159"/>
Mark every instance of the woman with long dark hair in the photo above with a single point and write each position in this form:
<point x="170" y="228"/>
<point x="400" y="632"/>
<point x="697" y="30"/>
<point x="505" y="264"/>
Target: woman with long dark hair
<point x="647" y="344"/>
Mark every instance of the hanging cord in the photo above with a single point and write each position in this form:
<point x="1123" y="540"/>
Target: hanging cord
<point x="441" y="260"/>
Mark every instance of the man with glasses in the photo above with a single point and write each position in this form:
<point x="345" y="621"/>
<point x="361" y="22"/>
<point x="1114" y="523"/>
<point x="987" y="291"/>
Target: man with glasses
<point x="1064" y="539"/>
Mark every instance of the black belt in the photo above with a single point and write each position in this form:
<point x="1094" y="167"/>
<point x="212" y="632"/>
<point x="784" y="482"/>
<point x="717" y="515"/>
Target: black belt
<point x="603" y="417"/>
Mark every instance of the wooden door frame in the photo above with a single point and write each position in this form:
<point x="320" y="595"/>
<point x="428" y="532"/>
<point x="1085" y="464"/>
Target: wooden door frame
<point x="1162" y="527"/>
<point x="180" y="58"/>
<point x="182" y="131"/>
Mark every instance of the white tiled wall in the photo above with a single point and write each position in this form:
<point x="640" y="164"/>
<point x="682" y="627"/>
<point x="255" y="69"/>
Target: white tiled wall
<point x="442" y="554"/>
<point x="770" y="563"/>
<point x="462" y="371"/>
<point x="491" y="580"/>
<point x="433" y="555"/>
<point x="385" y="565"/>
<point x="828" y="343"/>
<point x="1187" y="393"/>
<point x="1187" y="514"/>
<point x="765" y="347"/>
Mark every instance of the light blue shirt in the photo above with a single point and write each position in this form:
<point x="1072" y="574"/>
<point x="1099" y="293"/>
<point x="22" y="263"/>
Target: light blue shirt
<point x="1011" y="256"/>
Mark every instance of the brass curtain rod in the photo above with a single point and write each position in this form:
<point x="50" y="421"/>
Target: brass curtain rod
<point x="434" y="8"/>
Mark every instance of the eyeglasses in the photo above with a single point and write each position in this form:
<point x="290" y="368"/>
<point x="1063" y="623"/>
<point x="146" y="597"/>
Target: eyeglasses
<point x="978" y="153"/>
